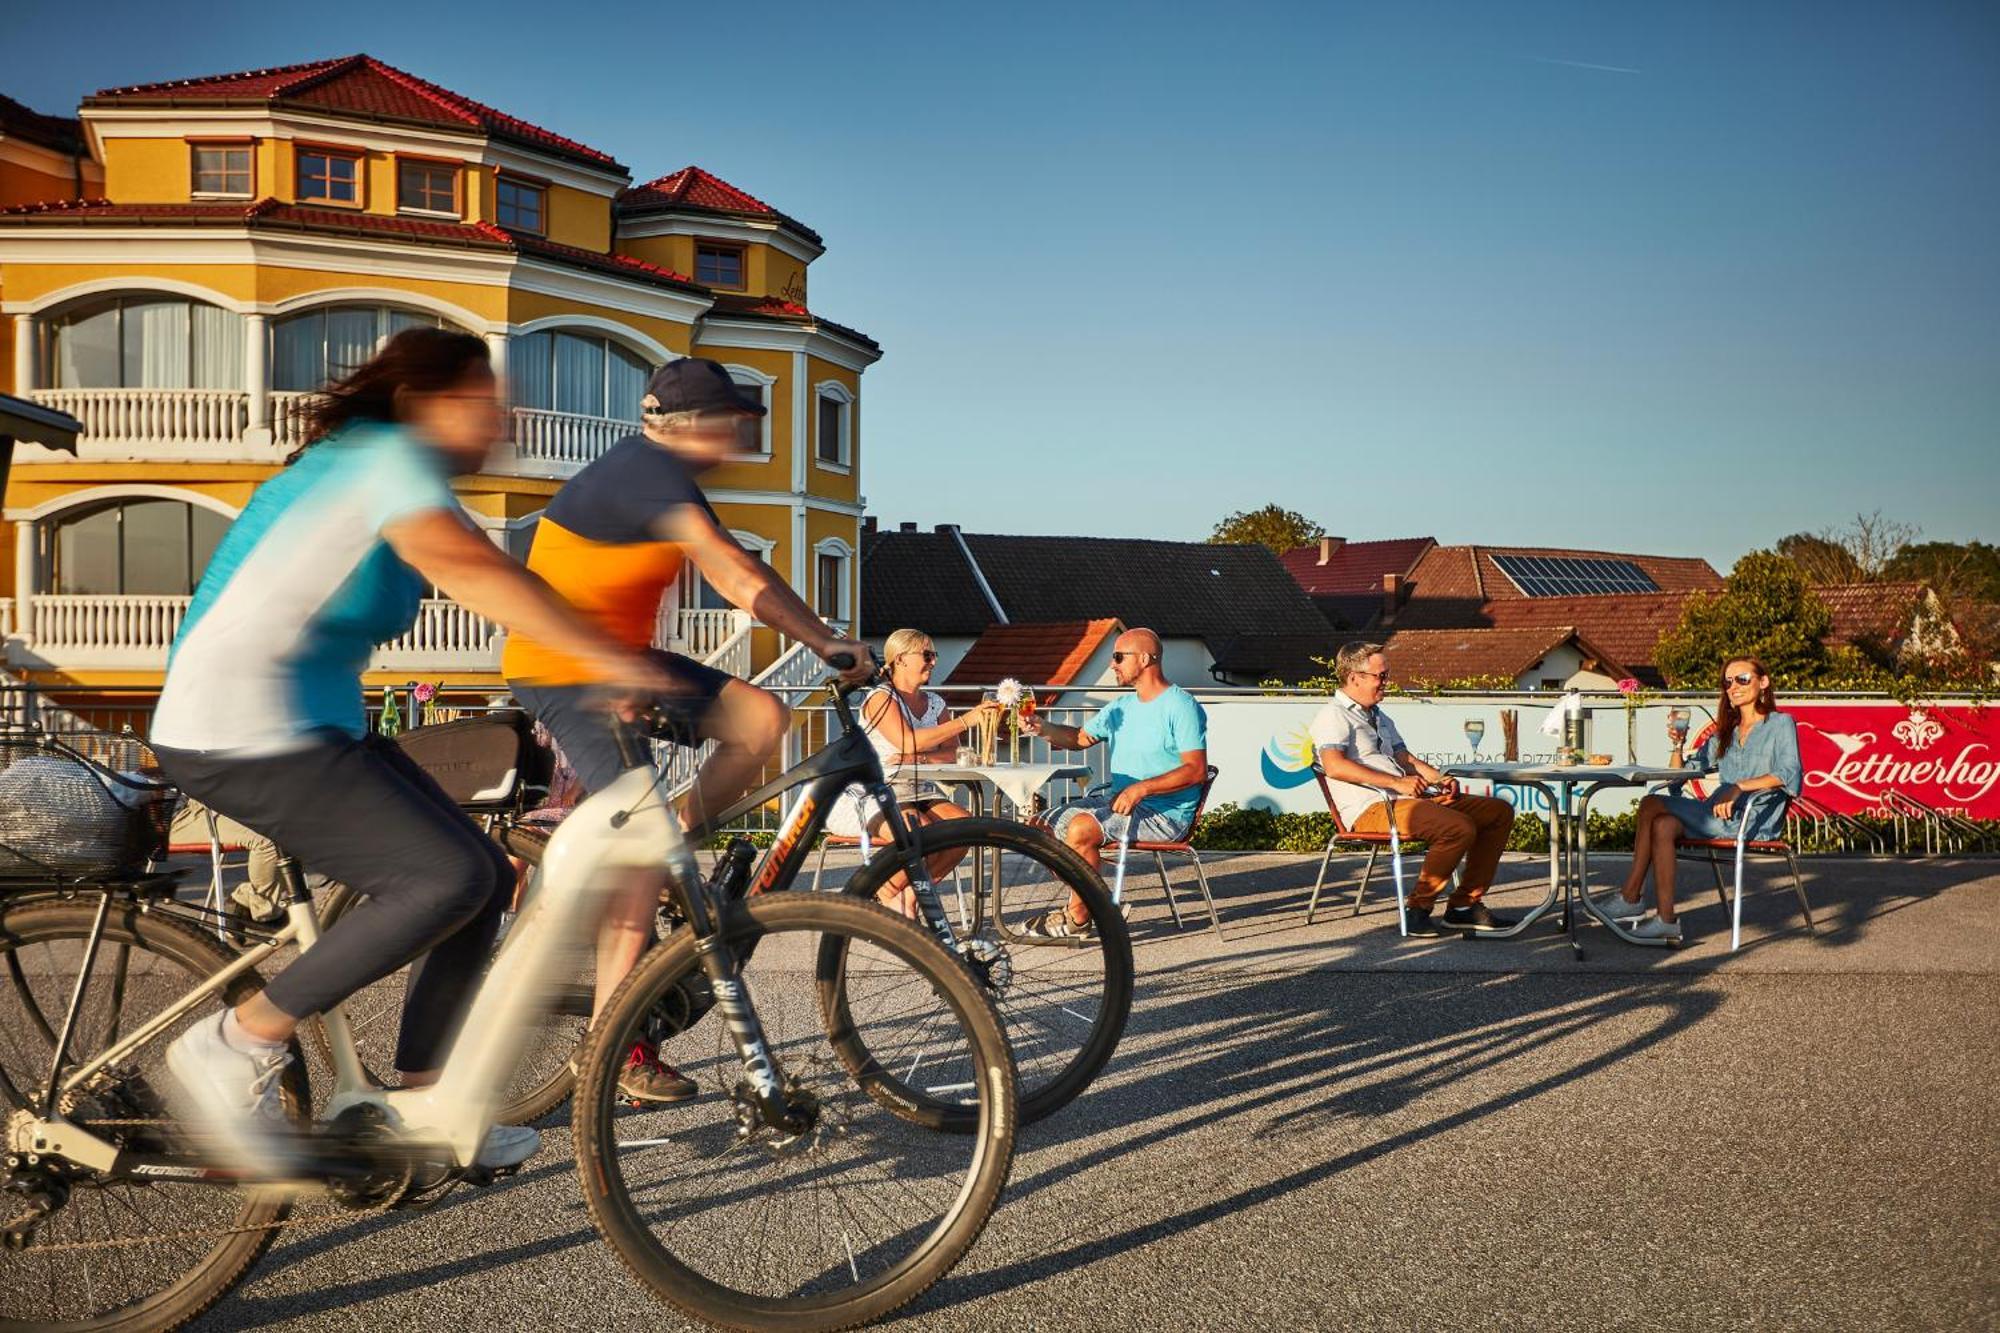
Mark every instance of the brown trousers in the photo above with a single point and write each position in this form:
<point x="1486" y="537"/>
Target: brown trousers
<point x="1478" y="823"/>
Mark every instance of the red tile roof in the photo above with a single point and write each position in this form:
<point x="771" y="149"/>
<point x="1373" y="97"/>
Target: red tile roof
<point x="1629" y="626"/>
<point x="692" y="189"/>
<point x="22" y="122"/>
<point x="1469" y="572"/>
<point x="269" y="213"/>
<point x="1871" y="613"/>
<point x="1433" y="656"/>
<point x="784" y="312"/>
<point x="1353" y="567"/>
<point x="357" y="85"/>
<point x="1050" y="654"/>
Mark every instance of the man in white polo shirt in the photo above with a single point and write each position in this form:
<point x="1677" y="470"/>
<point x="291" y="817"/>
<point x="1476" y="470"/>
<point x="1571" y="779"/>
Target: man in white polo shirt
<point x="1364" y="758"/>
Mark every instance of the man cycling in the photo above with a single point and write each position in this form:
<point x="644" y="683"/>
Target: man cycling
<point x="611" y="542"/>
<point x="261" y="719"/>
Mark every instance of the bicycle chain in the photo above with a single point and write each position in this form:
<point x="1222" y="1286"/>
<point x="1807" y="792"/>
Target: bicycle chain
<point x="63" y="1247"/>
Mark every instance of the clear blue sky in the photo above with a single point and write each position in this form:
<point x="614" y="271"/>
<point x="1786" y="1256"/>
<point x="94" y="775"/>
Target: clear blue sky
<point x="1679" y="278"/>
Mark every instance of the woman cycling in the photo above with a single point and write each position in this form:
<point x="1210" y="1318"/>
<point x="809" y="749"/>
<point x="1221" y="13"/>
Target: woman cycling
<point x="1755" y="748"/>
<point x="261" y="718"/>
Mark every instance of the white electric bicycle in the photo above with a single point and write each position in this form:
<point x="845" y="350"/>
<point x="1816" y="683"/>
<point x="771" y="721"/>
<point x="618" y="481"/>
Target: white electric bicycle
<point x="828" y="1172"/>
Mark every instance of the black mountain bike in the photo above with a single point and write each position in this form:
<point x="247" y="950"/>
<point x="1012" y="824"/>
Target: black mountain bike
<point x="1064" y="1001"/>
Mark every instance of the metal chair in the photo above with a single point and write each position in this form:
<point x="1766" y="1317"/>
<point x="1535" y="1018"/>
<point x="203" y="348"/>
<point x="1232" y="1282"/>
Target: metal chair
<point x="1374" y="842"/>
<point x="1179" y="847"/>
<point x="1744" y="846"/>
<point x="832" y="840"/>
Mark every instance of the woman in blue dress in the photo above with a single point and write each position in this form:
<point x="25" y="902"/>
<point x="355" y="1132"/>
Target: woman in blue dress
<point x="1755" y="748"/>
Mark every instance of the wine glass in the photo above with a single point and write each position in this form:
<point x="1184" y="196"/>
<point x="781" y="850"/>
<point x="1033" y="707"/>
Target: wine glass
<point x="1475" y="732"/>
<point x="1677" y="725"/>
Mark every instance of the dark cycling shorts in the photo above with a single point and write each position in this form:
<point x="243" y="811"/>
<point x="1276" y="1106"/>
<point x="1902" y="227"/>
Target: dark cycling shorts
<point x="588" y="732"/>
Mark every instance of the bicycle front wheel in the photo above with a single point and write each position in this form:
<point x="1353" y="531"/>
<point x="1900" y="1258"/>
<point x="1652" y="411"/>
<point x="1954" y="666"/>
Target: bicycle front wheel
<point x="744" y="1226"/>
<point x="1064" y="1000"/>
<point x="118" y="1252"/>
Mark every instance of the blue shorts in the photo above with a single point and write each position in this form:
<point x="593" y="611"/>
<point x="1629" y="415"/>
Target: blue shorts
<point x="1698" y="818"/>
<point x="587" y="732"/>
<point x="1153" y="826"/>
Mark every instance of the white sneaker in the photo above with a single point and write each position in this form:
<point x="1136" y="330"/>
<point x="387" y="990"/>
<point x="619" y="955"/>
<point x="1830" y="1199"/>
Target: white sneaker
<point x="1652" y="930"/>
<point x="235" y="1097"/>
<point x="508" y="1145"/>
<point x="1613" y="907"/>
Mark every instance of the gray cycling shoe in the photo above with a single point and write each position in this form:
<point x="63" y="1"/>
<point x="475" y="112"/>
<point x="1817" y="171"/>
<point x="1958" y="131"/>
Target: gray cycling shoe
<point x="507" y="1145"/>
<point x="234" y="1098"/>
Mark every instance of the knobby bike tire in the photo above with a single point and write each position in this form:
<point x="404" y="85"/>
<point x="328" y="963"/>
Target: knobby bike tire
<point x="1042" y="1092"/>
<point x="523" y="1102"/>
<point x="618" y="1217"/>
<point x="29" y="921"/>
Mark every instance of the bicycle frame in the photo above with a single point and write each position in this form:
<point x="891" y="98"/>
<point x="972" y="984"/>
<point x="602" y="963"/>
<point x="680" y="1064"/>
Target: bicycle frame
<point x="625" y="827"/>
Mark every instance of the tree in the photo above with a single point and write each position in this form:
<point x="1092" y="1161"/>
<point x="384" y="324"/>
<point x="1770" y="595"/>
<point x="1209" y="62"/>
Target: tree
<point x="1862" y="552"/>
<point x="1278" y="528"/>
<point x="1957" y="570"/>
<point x="1767" y="610"/>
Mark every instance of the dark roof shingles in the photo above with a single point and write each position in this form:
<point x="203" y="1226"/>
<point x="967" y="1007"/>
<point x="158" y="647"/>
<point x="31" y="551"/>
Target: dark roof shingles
<point x="18" y="121"/>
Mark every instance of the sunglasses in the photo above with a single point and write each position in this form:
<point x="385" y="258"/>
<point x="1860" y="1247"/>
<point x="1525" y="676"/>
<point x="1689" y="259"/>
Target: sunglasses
<point x="1382" y="676"/>
<point x="928" y="654"/>
<point x="1740" y="678"/>
<point x="1120" y="657"/>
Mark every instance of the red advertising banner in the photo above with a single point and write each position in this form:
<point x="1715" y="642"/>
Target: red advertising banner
<point x="1948" y="758"/>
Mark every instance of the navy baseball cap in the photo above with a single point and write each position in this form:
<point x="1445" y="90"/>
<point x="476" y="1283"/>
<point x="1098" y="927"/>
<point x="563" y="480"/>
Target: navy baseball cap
<point x="694" y="385"/>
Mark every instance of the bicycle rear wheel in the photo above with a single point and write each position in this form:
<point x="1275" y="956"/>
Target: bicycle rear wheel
<point x="1064" y="1001"/>
<point x="119" y="1253"/>
<point x="545" y="1076"/>
<point x="744" y="1227"/>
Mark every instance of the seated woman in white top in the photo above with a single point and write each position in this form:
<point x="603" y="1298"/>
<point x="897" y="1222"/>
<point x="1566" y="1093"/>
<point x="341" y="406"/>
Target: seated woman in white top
<point x="909" y="727"/>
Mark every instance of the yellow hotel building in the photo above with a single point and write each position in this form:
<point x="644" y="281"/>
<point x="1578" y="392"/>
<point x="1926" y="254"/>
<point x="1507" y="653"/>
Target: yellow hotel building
<point x="185" y="261"/>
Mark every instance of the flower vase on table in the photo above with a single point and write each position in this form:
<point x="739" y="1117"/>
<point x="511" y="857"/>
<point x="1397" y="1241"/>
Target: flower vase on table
<point x="1008" y="695"/>
<point x="1636" y="698"/>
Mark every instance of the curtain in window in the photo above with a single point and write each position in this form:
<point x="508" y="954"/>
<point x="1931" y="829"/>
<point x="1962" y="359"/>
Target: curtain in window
<point x="530" y="362"/>
<point x="579" y="375"/>
<point x="87" y="350"/>
<point x="351" y="338"/>
<point x="625" y="384"/>
<point x="155" y="344"/>
<point x="217" y="336"/>
<point x="298" y="353"/>
<point x="155" y="557"/>
<point x="87" y="554"/>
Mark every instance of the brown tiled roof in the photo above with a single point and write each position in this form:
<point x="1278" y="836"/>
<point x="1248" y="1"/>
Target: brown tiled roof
<point x="269" y="213"/>
<point x="778" y="311"/>
<point x="22" y="122"/>
<point x="1430" y="656"/>
<point x="357" y="85"/>
<point x="1048" y="654"/>
<point x="693" y="190"/>
<point x="1469" y="572"/>
<point x="1871" y="613"/>
<point x="1353" y="567"/>
<point x="1629" y="626"/>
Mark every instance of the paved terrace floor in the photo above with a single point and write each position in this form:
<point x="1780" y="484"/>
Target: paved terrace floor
<point x="1327" y="1127"/>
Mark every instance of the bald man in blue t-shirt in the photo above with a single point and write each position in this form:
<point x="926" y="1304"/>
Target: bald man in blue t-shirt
<point x="1159" y="760"/>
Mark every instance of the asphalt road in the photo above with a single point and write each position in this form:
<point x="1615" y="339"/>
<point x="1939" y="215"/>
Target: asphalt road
<point x="1327" y="1127"/>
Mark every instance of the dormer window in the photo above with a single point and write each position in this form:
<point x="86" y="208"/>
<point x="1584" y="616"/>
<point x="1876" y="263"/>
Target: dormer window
<point x="521" y="204"/>
<point x="427" y="187"/>
<point x="718" y="265"/>
<point x="327" y="176"/>
<point x="222" y="171"/>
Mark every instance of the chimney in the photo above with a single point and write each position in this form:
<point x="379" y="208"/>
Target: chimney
<point x="1327" y="546"/>
<point x="907" y="527"/>
<point x="1392" y="597"/>
<point x="947" y="528"/>
<point x="868" y="525"/>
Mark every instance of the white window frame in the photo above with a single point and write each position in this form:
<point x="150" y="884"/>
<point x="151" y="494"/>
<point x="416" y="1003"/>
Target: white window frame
<point x="841" y="394"/>
<point x="746" y="376"/>
<point x="844" y="613"/>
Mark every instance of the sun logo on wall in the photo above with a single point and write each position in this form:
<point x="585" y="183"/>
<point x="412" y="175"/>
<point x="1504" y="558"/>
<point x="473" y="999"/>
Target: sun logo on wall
<point x="1288" y="758"/>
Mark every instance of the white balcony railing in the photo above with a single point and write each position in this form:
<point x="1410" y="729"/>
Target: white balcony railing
<point x="200" y="423"/>
<point x="558" y="443"/>
<point x="288" y="431"/>
<point x="134" y="632"/>
<point x="76" y="629"/>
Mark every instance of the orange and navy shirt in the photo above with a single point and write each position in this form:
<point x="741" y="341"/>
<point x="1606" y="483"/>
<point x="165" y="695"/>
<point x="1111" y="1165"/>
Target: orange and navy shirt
<point x="598" y="546"/>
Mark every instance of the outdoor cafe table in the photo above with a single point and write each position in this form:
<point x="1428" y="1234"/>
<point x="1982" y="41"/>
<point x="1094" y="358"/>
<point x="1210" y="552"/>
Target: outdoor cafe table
<point x="1570" y="789"/>
<point x="1017" y="782"/>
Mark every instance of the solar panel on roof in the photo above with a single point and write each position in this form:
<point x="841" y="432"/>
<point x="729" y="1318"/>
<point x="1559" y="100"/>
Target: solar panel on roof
<point x="1573" y="576"/>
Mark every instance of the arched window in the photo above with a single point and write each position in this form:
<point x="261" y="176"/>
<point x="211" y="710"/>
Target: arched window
<point x="586" y="373"/>
<point x="314" y="347"/>
<point x="137" y="546"/>
<point x="147" y="342"/>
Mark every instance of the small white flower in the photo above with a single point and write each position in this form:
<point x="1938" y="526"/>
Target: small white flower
<point x="1008" y="693"/>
